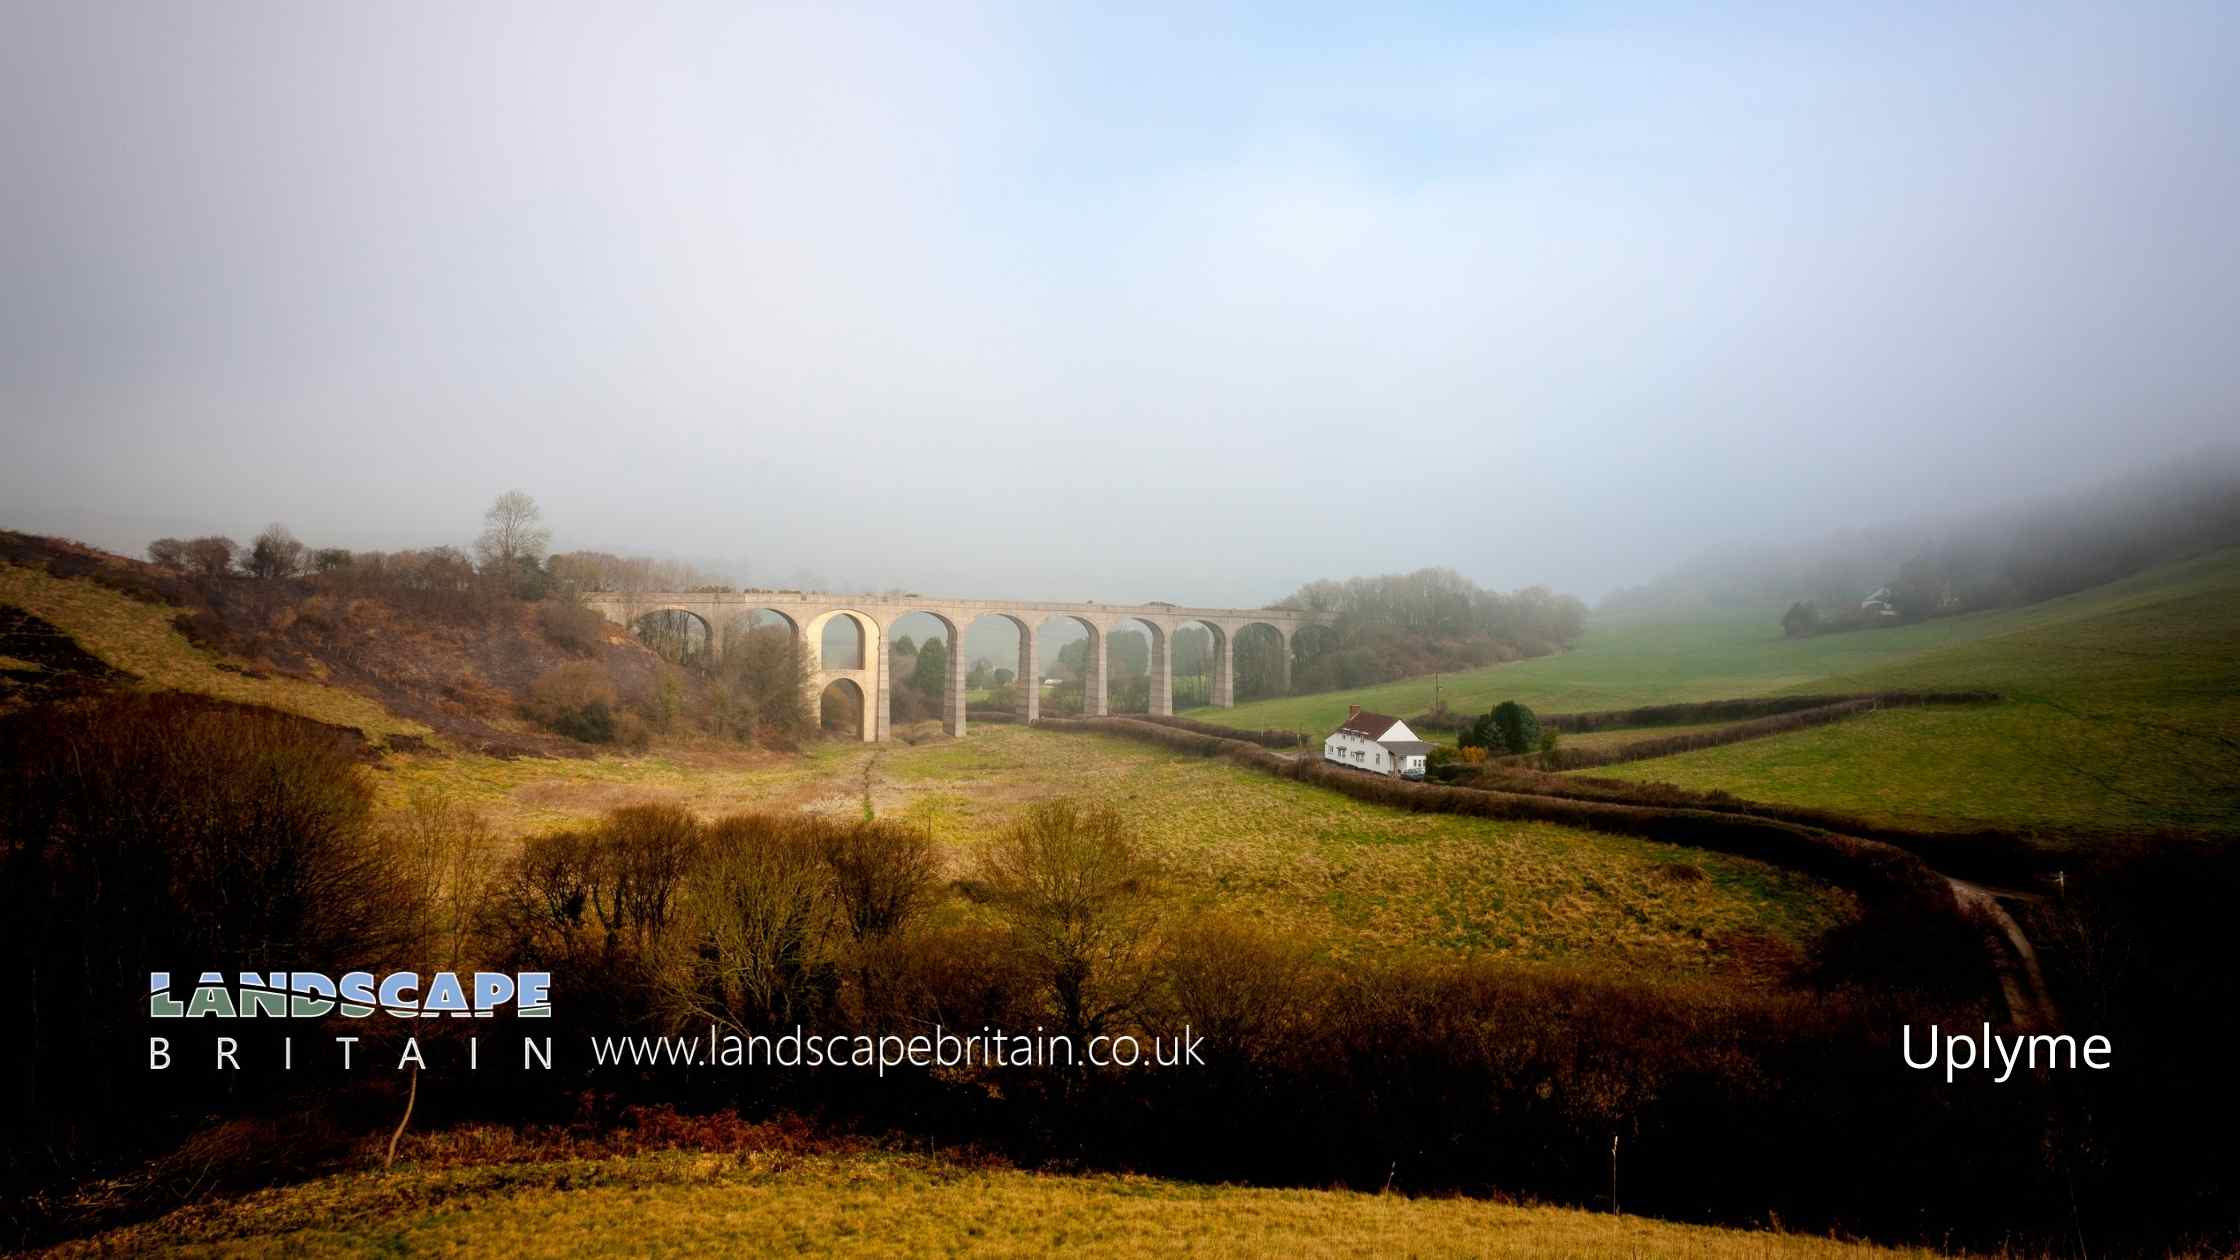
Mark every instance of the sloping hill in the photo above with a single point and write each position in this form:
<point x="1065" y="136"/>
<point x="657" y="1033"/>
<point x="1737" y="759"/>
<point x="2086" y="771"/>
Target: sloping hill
<point x="135" y="639"/>
<point x="2122" y="705"/>
<point x="2122" y="709"/>
<point x="402" y="677"/>
<point x="686" y="1203"/>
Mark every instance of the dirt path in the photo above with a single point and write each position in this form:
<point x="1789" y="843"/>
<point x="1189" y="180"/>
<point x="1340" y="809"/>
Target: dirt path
<point x="2029" y="1003"/>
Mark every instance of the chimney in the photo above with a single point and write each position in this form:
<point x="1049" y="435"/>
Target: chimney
<point x="1352" y="711"/>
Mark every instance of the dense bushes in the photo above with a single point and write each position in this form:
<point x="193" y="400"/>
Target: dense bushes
<point x="759" y="686"/>
<point x="150" y="833"/>
<point x="1403" y="625"/>
<point x="1508" y="727"/>
<point x="435" y="582"/>
<point x="578" y="700"/>
<point x="573" y="626"/>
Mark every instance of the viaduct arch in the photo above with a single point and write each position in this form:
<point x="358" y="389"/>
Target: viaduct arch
<point x="806" y="614"/>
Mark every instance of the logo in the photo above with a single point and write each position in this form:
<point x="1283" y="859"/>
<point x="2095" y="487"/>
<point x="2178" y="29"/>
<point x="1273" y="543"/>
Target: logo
<point x="357" y="995"/>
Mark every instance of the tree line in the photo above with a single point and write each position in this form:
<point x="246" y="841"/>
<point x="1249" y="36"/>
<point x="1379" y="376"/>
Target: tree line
<point x="1406" y="624"/>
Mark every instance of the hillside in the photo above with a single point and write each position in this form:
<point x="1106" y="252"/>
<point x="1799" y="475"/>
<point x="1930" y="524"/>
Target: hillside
<point x="399" y="675"/>
<point x="2118" y="708"/>
<point x="894" y="1206"/>
<point x="2119" y="713"/>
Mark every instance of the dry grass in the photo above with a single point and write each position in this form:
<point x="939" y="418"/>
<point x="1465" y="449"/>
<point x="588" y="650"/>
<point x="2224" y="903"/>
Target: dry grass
<point x="524" y="795"/>
<point x="765" y="1203"/>
<point x="140" y="638"/>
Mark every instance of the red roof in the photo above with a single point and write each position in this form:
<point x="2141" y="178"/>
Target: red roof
<point x="1368" y="725"/>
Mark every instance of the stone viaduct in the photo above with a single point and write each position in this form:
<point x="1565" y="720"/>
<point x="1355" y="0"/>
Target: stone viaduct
<point x="807" y="614"/>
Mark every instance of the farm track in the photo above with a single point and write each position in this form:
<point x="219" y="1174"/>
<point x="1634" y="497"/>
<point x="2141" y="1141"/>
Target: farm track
<point x="2030" y="1004"/>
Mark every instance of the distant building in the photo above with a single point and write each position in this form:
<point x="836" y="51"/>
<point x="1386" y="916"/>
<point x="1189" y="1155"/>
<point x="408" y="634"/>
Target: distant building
<point x="1376" y="743"/>
<point x="1878" y="603"/>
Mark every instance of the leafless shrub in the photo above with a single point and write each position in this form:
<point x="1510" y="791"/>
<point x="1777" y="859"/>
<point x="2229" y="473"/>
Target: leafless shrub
<point x="1237" y="983"/>
<point x="211" y="555"/>
<point x="276" y="553"/>
<point x="441" y="851"/>
<point x="884" y="874"/>
<point x="762" y="918"/>
<point x="1071" y="883"/>
<point x="169" y="553"/>
<point x="573" y="626"/>
<point x="161" y="832"/>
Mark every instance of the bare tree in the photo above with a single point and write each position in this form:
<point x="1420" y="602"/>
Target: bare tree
<point x="441" y="852"/>
<point x="761" y="910"/>
<point x="883" y="873"/>
<point x="1073" y="885"/>
<point x="275" y="554"/>
<point x="171" y="553"/>
<point x="513" y="531"/>
<point x="211" y="555"/>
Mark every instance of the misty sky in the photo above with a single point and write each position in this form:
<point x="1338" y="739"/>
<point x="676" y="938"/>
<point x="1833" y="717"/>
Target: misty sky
<point x="1192" y="305"/>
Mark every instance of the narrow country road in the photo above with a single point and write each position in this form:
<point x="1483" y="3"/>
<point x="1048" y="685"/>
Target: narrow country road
<point x="2029" y="1003"/>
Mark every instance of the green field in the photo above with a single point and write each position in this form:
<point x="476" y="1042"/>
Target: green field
<point x="766" y="1203"/>
<point x="2122" y="705"/>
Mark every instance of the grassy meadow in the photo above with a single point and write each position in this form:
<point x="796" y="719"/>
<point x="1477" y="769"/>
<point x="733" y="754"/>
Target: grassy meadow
<point x="890" y="1205"/>
<point x="1353" y="878"/>
<point x="2119" y="708"/>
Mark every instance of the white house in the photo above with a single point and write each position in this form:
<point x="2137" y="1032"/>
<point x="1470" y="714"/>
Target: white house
<point x="1376" y="743"/>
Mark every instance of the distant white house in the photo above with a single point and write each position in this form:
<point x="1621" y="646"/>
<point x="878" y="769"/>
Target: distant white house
<point x="1376" y="743"/>
<point x="1878" y="603"/>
